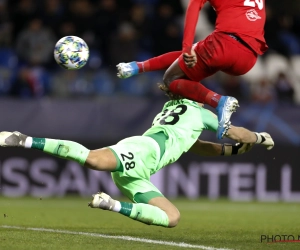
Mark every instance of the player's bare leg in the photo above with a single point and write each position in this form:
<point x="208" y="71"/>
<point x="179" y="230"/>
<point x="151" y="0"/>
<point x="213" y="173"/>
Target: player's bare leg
<point x="100" y="159"/>
<point x="178" y="84"/>
<point x="159" y="211"/>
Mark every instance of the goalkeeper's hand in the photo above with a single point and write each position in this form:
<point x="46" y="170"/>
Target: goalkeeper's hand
<point x="264" y="139"/>
<point x="236" y="149"/>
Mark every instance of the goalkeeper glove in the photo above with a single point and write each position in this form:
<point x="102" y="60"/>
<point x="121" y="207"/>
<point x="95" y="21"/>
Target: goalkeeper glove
<point x="264" y="139"/>
<point x="237" y="149"/>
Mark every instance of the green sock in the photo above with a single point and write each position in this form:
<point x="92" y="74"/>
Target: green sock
<point x="65" y="149"/>
<point x="145" y="213"/>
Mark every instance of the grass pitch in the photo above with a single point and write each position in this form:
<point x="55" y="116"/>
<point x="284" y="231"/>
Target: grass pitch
<point x="68" y="223"/>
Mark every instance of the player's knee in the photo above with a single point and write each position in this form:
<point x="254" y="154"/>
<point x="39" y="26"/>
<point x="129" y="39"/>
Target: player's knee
<point x="95" y="161"/>
<point x="102" y="160"/>
<point x="92" y="161"/>
<point x="174" y="218"/>
<point x="166" y="80"/>
<point x="173" y="73"/>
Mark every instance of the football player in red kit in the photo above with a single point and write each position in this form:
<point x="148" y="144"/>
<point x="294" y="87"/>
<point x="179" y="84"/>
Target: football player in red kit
<point x="232" y="48"/>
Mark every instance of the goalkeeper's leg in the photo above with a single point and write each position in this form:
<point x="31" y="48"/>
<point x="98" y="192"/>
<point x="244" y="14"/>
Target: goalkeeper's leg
<point x="159" y="211"/>
<point x="100" y="159"/>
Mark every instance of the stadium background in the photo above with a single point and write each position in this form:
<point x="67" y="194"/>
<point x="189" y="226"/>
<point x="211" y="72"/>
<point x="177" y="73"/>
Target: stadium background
<point x="94" y="107"/>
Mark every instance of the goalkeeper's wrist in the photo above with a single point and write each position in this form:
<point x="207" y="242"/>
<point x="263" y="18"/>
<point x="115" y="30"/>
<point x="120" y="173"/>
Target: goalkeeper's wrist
<point x="259" y="138"/>
<point x="229" y="149"/>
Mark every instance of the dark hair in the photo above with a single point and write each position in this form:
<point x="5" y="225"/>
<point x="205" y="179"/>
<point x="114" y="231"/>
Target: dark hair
<point x="168" y="93"/>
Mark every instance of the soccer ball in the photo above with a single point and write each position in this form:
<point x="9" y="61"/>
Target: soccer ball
<point x="71" y="52"/>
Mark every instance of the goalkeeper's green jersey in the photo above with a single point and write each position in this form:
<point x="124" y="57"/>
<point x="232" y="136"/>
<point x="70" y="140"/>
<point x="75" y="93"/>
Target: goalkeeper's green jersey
<point x="182" y="121"/>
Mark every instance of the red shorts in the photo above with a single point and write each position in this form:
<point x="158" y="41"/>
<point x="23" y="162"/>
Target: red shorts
<point x="219" y="52"/>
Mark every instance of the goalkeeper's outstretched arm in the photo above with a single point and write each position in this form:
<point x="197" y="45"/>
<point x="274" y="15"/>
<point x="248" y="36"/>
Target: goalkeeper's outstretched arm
<point x="205" y="148"/>
<point x="245" y="140"/>
<point x="243" y="135"/>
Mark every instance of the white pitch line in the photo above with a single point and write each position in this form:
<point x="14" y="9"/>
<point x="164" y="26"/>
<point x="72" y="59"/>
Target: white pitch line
<point x="128" y="238"/>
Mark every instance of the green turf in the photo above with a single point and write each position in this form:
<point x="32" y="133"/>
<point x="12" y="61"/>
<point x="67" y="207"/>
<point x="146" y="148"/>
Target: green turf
<point x="220" y="224"/>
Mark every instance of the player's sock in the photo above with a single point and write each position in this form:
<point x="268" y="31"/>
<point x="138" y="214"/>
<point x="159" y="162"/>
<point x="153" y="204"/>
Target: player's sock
<point x="158" y="63"/>
<point x="195" y="91"/>
<point x="145" y="213"/>
<point x="65" y="149"/>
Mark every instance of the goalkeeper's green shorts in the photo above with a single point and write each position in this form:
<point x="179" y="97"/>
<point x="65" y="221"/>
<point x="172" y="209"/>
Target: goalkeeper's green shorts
<point x="139" y="157"/>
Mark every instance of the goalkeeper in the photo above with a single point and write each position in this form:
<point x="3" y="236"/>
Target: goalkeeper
<point x="175" y="130"/>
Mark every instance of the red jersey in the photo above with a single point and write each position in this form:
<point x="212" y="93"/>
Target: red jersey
<point x="243" y="18"/>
